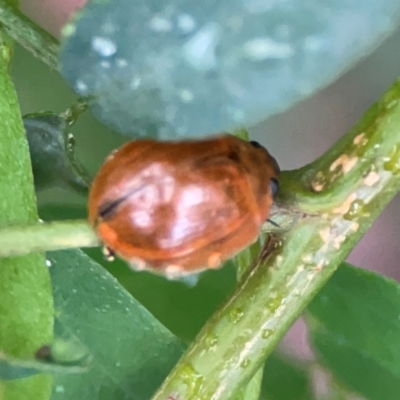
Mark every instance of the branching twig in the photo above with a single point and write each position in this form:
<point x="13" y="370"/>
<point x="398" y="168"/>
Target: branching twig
<point x="30" y="36"/>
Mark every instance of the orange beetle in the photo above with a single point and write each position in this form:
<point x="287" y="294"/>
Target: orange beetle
<point x="181" y="207"/>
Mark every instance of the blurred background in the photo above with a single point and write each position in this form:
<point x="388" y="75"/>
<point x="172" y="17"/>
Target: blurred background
<point x="295" y="138"/>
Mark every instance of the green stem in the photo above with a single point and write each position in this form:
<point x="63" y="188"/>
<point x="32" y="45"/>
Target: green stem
<point x="16" y="240"/>
<point x="344" y="191"/>
<point x="30" y="36"/>
<point x="47" y="236"/>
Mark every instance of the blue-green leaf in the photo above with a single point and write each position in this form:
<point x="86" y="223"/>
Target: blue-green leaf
<point x="131" y="352"/>
<point x="184" y="68"/>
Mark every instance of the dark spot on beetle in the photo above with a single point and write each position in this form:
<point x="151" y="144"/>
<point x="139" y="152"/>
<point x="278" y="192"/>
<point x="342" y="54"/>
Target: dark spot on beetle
<point x="107" y="210"/>
<point x="234" y="156"/>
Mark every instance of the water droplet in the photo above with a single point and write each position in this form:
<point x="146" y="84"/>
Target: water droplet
<point x="236" y="315"/>
<point x="263" y="48"/>
<point x="186" y="96"/>
<point x="121" y="62"/>
<point x="211" y="340"/>
<point x="135" y="82"/>
<point x="118" y="364"/>
<point x="105" y="47"/>
<point x="190" y="377"/>
<point x="105" y="64"/>
<point x="393" y="164"/>
<point x="81" y="87"/>
<point x="160" y="24"/>
<point x="60" y="389"/>
<point x="48" y="263"/>
<point x="312" y="43"/>
<point x="355" y="209"/>
<point x="190" y="280"/>
<point x="68" y="30"/>
<point x="186" y="23"/>
<point x="200" y="49"/>
<point x="266" y="333"/>
<point x="245" y="363"/>
<point x="273" y="304"/>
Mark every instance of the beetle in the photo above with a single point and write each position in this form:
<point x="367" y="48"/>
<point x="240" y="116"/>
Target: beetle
<point x="181" y="207"/>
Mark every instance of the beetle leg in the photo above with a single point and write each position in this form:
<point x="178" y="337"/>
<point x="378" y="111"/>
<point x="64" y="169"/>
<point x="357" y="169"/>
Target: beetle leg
<point x="109" y="254"/>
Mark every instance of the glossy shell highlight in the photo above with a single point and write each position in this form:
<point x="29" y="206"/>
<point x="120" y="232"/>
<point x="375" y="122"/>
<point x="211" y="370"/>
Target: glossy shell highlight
<point x="182" y="207"/>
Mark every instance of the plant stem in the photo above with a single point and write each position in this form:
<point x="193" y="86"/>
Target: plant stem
<point x="343" y="192"/>
<point x="30" y="36"/>
<point x="16" y="240"/>
<point x="47" y="236"/>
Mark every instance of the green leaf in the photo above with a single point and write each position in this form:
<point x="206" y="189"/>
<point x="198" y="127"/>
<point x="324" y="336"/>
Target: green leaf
<point x="181" y="307"/>
<point x="104" y="63"/>
<point x="26" y="308"/>
<point x="284" y="380"/>
<point x="131" y="351"/>
<point x="52" y="150"/>
<point x="355" y="330"/>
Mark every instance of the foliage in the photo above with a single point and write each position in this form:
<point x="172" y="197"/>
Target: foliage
<point x="88" y="334"/>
